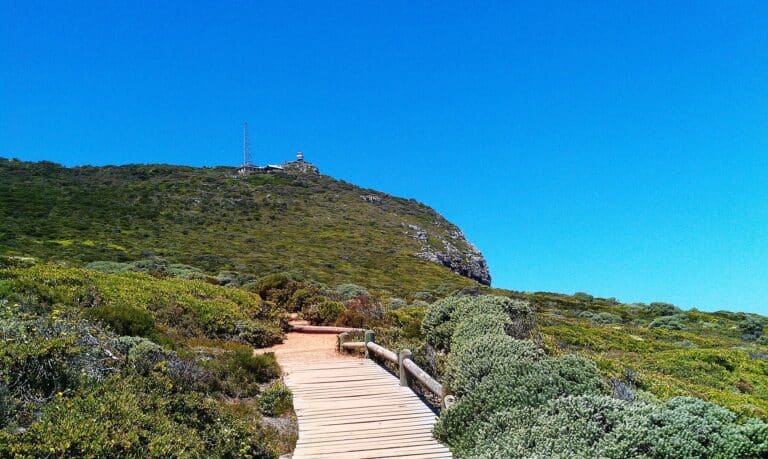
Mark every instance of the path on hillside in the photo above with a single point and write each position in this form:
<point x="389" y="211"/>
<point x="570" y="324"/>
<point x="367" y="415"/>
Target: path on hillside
<point x="349" y="407"/>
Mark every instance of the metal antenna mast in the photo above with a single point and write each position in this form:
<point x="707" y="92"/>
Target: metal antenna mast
<point x="246" y="146"/>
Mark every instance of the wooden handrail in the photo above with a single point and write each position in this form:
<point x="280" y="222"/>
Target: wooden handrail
<point x="324" y="329"/>
<point x="382" y="351"/>
<point x="424" y="378"/>
<point x="406" y="366"/>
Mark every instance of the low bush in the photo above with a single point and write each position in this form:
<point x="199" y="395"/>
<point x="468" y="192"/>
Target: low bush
<point x="240" y="371"/>
<point x="136" y="303"/>
<point x="444" y="315"/>
<point x="124" y="320"/>
<point x="352" y="318"/>
<point x="438" y="325"/>
<point x="658" y="309"/>
<point x="408" y="319"/>
<point x="349" y="291"/>
<point x="275" y="400"/>
<point x="393" y="304"/>
<point x="598" y="426"/>
<point x="674" y="322"/>
<point x="477" y="326"/>
<point x="70" y="388"/>
<point x="258" y="333"/>
<point x="601" y="317"/>
<point x="585" y="297"/>
<point x="324" y="312"/>
<point x="136" y="417"/>
<point x="515" y="384"/>
<point x="515" y="402"/>
<point x="470" y="363"/>
<point x="752" y="327"/>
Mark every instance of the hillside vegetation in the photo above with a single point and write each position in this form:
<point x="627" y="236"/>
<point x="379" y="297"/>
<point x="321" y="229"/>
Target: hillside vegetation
<point x="130" y="365"/>
<point x="210" y="219"/>
<point x="134" y="295"/>
<point x="515" y="398"/>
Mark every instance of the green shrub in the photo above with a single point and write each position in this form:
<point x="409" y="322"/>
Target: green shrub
<point x="408" y="319"/>
<point x="271" y="282"/>
<point x="685" y="427"/>
<point x="41" y="356"/>
<point x="324" y="312"/>
<point x="585" y="297"/>
<point x="515" y="384"/>
<point x="110" y="267"/>
<point x="469" y="364"/>
<point x="752" y="327"/>
<point x="124" y="320"/>
<point x="675" y="322"/>
<point x="135" y="417"/>
<point x="7" y="408"/>
<point x="438" y="325"/>
<point x="479" y="325"/>
<point x="248" y="369"/>
<point x="444" y="315"/>
<point x="258" y="333"/>
<point x="300" y="299"/>
<point x="601" y="317"/>
<point x="143" y="354"/>
<point x="349" y="291"/>
<point x="275" y="400"/>
<point x="564" y="427"/>
<point x="352" y="318"/>
<point x="657" y="309"/>
<point x="393" y="304"/>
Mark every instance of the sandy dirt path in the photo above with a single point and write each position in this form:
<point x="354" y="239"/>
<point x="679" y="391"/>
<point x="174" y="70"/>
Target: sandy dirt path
<point x="306" y="347"/>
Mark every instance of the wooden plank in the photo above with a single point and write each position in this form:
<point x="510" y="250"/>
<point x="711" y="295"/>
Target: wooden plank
<point x="371" y="451"/>
<point x="349" y="408"/>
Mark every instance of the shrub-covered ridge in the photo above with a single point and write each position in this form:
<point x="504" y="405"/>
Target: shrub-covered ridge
<point x="216" y="221"/>
<point x="515" y="401"/>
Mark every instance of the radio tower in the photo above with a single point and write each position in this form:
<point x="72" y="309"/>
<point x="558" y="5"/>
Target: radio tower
<point x="246" y="146"/>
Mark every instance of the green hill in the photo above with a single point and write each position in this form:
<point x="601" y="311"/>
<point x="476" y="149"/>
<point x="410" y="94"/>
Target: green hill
<point x="131" y="286"/>
<point x="294" y="221"/>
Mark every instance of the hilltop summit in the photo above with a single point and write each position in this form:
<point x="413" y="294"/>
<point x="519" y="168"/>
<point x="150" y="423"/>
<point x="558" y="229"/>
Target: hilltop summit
<point x="289" y="219"/>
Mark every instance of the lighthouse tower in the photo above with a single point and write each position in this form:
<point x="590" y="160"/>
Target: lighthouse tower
<point x="300" y="157"/>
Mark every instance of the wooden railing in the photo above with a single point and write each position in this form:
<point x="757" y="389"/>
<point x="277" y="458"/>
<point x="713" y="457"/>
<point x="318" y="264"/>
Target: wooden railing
<point x="406" y="367"/>
<point x="324" y="329"/>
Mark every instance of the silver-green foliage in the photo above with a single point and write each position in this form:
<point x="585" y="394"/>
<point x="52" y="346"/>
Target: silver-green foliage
<point x="474" y="360"/>
<point x="516" y="402"/>
<point x="445" y="315"/>
<point x="600" y="426"/>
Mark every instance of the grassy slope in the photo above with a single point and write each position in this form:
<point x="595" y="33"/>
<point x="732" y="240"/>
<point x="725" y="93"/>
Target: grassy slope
<point x="709" y="358"/>
<point x="207" y="218"/>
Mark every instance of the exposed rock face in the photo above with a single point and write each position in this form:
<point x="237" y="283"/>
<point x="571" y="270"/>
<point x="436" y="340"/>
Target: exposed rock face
<point x="371" y="198"/>
<point x="454" y="252"/>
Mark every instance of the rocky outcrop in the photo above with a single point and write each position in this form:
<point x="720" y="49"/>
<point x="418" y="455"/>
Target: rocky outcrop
<point x="300" y="167"/>
<point x="452" y="250"/>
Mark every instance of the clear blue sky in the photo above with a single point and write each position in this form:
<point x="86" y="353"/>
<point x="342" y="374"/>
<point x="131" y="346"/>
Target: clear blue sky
<point x="618" y="148"/>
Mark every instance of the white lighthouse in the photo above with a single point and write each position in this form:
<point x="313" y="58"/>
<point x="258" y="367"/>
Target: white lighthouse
<point x="300" y="157"/>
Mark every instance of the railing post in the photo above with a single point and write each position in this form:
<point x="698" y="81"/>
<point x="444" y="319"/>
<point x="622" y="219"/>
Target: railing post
<point x="370" y="337"/>
<point x="446" y="400"/>
<point x="404" y="354"/>
<point x="343" y="337"/>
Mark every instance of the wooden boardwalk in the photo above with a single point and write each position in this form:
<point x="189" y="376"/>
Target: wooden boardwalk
<point x="356" y="409"/>
<point x="349" y="407"/>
